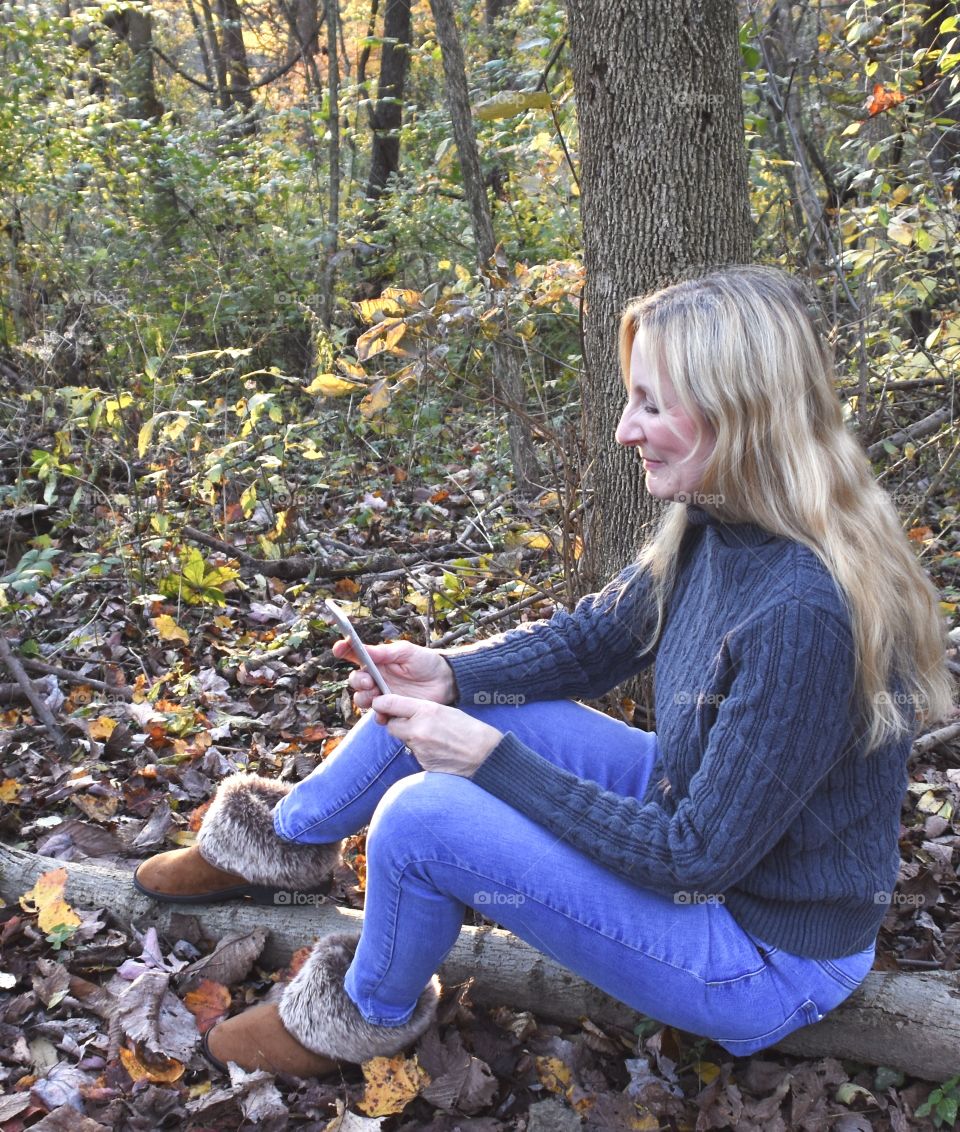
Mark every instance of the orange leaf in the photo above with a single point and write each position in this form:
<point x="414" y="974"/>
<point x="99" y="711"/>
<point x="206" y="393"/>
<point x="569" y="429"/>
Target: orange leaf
<point x="391" y="1084"/>
<point x="882" y="99"/>
<point x="314" y="733"/>
<point x="197" y="817"/>
<point x="9" y="789"/>
<point x="159" y="1069"/>
<point x="46" y="898"/>
<point x="208" y="1003"/>
<point x="919" y="534"/>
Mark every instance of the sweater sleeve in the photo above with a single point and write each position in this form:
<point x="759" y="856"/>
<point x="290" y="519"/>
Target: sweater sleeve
<point x="583" y="653"/>
<point x="781" y="728"/>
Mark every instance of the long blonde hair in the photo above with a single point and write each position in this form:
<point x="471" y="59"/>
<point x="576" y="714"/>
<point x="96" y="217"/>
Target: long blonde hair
<point x="741" y="346"/>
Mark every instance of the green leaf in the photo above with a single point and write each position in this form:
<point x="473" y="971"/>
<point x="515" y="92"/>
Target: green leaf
<point x="509" y="103"/>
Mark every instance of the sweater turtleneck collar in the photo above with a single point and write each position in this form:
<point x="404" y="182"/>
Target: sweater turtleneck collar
<point x="733" y="534"/>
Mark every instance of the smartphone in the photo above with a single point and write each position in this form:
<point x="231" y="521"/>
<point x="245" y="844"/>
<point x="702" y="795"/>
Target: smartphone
<point x="359" y="648"/>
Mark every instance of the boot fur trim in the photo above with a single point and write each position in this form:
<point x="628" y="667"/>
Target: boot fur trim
<point x="319" y="1013"/>
<point x="237" y="835"/>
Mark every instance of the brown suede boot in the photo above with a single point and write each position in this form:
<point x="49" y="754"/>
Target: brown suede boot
<point x="257" y="1039"/>
<point x="316" y="1027"/>
<point x="238" y="854"/>
<point x="182" y="876"/>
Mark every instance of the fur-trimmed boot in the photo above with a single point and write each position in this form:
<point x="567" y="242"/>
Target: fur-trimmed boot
<point x="316" y="1025"/>
<point x="237" y="853"/>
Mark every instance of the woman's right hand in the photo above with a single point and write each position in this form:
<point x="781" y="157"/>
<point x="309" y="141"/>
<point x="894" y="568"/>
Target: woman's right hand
<point x="409" y="670"/>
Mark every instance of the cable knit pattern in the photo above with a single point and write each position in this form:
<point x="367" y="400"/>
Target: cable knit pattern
<point x="761" y="792"/>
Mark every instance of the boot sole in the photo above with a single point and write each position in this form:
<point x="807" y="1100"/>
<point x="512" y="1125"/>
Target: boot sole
<point x="255" y="893"/>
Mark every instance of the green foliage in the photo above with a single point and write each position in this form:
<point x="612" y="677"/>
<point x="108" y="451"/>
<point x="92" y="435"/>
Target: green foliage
<point x="942" y="1104"/>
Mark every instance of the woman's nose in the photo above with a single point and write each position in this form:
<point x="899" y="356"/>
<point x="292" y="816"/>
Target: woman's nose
<point x="629" y="428"/>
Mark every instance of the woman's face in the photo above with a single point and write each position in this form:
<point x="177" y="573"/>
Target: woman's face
<point x="674" y="444"/>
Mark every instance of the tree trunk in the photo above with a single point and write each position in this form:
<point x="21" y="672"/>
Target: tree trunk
<point x="885" y="1022"/>
<point x="137" y="30"/>
<point x="388" y="112"/>
<point x="235" y="54"/>
<point x="508" y="378"/>
<point x="664" y="190"/>
<point x="333" y="123"/>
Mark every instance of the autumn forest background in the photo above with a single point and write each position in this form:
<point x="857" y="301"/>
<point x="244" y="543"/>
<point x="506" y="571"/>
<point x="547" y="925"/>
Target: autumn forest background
<point x="302" y="298"/>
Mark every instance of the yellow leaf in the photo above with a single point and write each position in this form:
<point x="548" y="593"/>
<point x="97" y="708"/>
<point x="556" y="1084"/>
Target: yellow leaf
<point x="707" y="1072"/>
<point x="507" y="103"/>
<point x="159" y="1069"/>
<point x="948" y="607"/>
<point x="900" y="231"/>
<point x="368" y="309"/>
<point x="376" y="400"/>
<point x="9" y="790"/>
<point x="168" y="629"/>
<point x="102" y="728"/>
<point x="553" y="1074"/>
<point x="392" y="1083"/>
<point x="46" y="898"/>
<point x="383" y="337"/>
<point x="329" y="385"/>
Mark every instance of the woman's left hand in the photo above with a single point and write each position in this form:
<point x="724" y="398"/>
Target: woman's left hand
<point x="441" y="738"/>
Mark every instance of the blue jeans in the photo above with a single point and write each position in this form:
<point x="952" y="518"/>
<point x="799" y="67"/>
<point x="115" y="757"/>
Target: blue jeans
<point x="438" y="842"/>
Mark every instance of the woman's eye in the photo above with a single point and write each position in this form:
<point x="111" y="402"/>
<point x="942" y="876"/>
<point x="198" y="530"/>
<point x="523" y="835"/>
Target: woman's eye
<point x="652" y="409"/>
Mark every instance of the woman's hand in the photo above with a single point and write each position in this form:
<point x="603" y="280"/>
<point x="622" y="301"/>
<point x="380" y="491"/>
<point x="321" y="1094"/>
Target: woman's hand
<point x="441" y="738"/>
<point x="409" y="670"/>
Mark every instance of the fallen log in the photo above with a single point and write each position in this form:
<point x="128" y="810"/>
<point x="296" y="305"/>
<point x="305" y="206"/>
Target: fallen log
<point x="909" y="1022"/>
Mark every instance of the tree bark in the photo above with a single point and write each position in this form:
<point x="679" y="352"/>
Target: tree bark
<point x="508" y="378"/>
<point x="664" y="190"/>
<point x="887" y="1021"/>
<point x="387" y="115"/>
<point x="235" y="55"/>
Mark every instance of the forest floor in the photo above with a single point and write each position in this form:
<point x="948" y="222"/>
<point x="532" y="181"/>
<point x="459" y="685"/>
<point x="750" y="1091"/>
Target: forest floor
<point x="175" y="663"/>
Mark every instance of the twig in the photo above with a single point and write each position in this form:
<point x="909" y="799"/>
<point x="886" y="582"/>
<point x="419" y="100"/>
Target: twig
<point x="119" y="690"/>
<point x="933" y="738"/>
<point x="16" y="670"/>
<point x="487" y="618"/>
<point x="921" y="428"/>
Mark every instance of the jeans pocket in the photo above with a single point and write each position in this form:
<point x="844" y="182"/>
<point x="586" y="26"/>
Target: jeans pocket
<point x="805" y="1014"/>
<point x="846" y="980"/>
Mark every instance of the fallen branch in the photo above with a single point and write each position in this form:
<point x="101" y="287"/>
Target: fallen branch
<point x="120" y="691"/>
<point x="909" y="1022"/>
<point x="301" y="565"/>
<point x="44" y="714"/>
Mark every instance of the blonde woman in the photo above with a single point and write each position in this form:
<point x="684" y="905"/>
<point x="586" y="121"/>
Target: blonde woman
<point x="727" y="875"/>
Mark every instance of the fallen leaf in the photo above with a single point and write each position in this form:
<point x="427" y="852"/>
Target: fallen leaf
<point x="392" y="1083"/>
<point x="153" y="1067"/>
<point x="154" y="1019"/>
<point x="168" y="629"/>
<point x="9" y="790"/>
<point x="46" y="899"/>
<point x="882" y="99"/>
<point x="229" y="962"/>
<point x="102" y="728"/>
<point x="208" y="1003"/>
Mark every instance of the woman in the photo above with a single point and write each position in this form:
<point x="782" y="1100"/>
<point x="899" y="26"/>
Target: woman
<point x="727" y="875"/>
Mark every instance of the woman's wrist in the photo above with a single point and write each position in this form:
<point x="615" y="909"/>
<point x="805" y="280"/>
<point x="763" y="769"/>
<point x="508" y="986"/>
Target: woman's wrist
<point x="451" y="691"/>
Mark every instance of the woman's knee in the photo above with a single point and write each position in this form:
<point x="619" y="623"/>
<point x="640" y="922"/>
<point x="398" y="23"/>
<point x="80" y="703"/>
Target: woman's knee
<point x="428" y="805"/>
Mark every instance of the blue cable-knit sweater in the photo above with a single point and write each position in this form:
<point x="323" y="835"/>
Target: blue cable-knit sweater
<point x="762" y="791"/>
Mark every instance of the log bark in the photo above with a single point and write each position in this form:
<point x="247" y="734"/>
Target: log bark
<point x="909" y="1022"/>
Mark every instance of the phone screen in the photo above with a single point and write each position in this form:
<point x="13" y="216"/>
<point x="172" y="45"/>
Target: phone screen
<point x="359" y="648"/>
